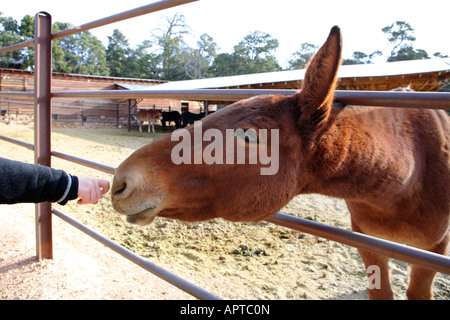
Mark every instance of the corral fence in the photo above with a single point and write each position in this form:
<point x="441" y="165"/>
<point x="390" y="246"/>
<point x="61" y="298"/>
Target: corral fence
<point x="42" y="112"/>
<point x="94" y="112"/>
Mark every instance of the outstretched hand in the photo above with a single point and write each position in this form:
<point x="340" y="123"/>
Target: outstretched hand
<point x="90" y="190"/>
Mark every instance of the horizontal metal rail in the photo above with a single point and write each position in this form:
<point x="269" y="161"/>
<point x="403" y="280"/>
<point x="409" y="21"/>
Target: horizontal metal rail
<point x="17" y="46"/>
<point x="64" y="156"/>
<point x="431" y="100"/>
<point x="84" y="162"/>
<point x="426" y="259"/>
<point x="398" y="99"/>
<point x="27" y="145"/>
<point x="153" y="7"/>
<point x="426" y="100"/>
<point x="171" y="278"/>
<point x="17" y="94"/>
<point x="390" y="249"/>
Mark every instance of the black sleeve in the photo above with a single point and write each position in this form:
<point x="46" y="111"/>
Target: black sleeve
<point x="22" y="182"/>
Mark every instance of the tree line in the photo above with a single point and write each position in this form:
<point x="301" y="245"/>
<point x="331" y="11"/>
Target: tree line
<point x="167" y="56"/>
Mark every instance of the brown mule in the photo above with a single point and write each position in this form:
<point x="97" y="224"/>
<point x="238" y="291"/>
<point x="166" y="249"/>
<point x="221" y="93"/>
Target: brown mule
<point x="392" y="167"/>
<point x="150" y="116"/>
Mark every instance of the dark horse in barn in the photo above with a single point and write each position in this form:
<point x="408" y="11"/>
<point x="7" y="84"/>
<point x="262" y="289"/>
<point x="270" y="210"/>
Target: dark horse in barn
<point x="189" y="117"/>
<point x="169" y="116"/>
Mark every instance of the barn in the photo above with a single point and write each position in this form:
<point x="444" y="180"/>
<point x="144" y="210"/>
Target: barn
<point x="98" y="111"/>
<point x="430" y="75"/>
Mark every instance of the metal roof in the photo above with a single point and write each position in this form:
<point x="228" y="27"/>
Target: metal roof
<point x="345" y="71"/>
<point x="132" y="86"/>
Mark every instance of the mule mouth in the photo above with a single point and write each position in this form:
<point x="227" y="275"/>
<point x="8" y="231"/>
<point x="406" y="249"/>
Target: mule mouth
<point x="142" y="218"/>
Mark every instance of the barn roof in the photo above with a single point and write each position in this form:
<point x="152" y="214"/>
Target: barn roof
<point x="131" y="86"/>
<point x="291" y="79"/>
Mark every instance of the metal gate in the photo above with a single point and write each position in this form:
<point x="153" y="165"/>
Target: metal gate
<point x="42" y="100"/>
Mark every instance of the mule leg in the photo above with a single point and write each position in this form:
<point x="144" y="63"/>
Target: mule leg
<point x="140" y="126"/>
<point x="381" y="290"/>
<point x="421" y="280"/>
<point x="153" y="125"/>
<point x="420" y="283"/>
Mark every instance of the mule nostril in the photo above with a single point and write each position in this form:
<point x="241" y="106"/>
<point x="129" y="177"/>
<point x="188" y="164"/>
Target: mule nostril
<point x="120" y="189"/>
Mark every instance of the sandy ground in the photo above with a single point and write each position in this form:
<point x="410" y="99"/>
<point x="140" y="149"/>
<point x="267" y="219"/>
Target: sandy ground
<point x="81" y="269"/>
<point x="279" y="263"/>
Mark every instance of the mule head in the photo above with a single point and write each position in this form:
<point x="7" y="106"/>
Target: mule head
<point x="192" y="175"/>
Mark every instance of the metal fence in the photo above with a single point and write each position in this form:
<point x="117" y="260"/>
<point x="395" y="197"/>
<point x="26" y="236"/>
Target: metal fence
<point x="42" y="110"/>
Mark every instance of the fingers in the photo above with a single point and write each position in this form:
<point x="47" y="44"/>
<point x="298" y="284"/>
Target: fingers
<point x="90" y="190"/>
<point x="104" y="185"/>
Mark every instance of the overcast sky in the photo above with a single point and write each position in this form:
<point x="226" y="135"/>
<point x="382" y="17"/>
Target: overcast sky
<point x="292" y="22"/>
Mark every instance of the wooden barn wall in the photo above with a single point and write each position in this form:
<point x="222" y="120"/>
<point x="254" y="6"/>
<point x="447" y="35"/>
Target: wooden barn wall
<point x="104" y="109"/>
<point x="429" y="82"/>
<point x="91" y="109"/>
<point x="170" y="105"/>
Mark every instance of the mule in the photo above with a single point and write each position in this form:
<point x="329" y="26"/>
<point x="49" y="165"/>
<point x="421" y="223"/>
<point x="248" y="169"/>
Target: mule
<point x="150" y="115"/>
<point x="189" y="117"/>
<point x="169" y="116"/>
<point x="391" y="165"/>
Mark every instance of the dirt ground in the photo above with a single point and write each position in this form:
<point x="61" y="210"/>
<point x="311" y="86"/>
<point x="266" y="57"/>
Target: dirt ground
<point x="230" y="260"/>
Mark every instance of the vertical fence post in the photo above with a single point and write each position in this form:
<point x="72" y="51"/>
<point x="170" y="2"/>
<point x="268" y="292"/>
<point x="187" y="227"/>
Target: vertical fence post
<point x="42" y="127"/>
<point x="129" y="115"/>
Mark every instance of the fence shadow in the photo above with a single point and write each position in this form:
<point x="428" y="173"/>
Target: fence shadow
<point x="18" y="265"/>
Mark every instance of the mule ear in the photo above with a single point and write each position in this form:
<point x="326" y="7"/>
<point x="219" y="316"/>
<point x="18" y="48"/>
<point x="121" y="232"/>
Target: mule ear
<point x="316" y="96"/>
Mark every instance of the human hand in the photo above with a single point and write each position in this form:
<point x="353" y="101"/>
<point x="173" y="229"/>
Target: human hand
<point x="90" y="190"/>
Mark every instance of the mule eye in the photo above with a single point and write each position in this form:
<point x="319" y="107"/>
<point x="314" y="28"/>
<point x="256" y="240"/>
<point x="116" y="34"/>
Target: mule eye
<point x="248" y="135"/>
